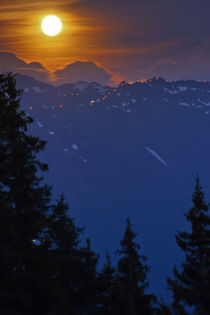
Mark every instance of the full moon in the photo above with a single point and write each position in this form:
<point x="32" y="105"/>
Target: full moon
<point x="51" y="25"/>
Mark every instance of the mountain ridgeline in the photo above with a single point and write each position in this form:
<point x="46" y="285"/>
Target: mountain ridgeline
<point x="132" y="150"/>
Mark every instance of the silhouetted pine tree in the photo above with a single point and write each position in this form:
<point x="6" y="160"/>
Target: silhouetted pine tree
<point x="72" y="266"/>
<point x="106" y="289"/>
<point x="23" y="206"/>
<point x="163" y="309"/>
<point x="191" y="285"/>
<point x="132" y="278"/>
<point x="87" y="280"/>
<point x="62" y="240"/>
<point x="43" y="267"/>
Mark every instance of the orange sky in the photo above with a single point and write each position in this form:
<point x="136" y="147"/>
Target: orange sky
<point x="21" y="33"/>
<point x="131" y="38"/>
<point x="85" y="36"/>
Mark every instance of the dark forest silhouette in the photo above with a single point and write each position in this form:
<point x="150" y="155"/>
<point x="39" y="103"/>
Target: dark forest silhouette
<point x="44" y="266"/>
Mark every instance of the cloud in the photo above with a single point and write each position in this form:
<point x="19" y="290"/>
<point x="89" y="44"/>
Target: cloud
<point x="73" y="72"/>
<point x="128" y="37"/>
<point x="82" y="71"/>
<point x="194" y="64"/>
<point x="9" y="62"/>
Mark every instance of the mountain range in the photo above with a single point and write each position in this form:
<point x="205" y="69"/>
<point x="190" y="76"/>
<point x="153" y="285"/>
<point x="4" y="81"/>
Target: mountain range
<point x="127" y="151"/>
<point x="70" y="73"/>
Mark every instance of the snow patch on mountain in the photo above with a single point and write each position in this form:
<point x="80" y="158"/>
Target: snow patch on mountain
<point x="37" y="89"/>
<point x="157" y="156"/>
<point x="40" y="124"/>
<point x="165" y="100"/>
<point x="170" y="91"/>
<point x="204" y="103"/>
<point x="194" y="89"/>
<point x="75" y="147"/>
<point x="34" y="89"/>
<point x="125" y="104"/>
<point x="100" y="88"/>
<point x="182" y="88"/>
<point x="184" y="104"/>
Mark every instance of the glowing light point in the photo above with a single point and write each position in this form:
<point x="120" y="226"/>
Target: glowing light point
<point x="51" y="25"/>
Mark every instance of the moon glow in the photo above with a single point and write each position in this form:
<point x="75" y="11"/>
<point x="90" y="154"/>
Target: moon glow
<point x="51" y="25"/>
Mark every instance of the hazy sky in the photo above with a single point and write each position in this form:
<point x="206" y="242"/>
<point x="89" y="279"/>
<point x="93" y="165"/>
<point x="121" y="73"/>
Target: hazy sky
<point x="135" y="39"/>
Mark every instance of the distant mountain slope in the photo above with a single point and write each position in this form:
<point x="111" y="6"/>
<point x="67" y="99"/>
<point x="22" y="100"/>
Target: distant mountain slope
<point x="133" y="150"/>
<point x="9" y="62"/>
<point x="89" y="71"/>
<point x="70" y="73"/>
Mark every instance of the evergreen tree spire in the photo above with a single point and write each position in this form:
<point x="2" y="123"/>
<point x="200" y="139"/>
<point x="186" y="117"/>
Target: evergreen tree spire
<point x="43" y="268"/>
<point x="191" y="285"/>
<point x="106" y="288"/>
<point x="132" y="277"/>
<point x="24" y="202"/>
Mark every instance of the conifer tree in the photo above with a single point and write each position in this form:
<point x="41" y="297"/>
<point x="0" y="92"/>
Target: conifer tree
<point x="132" y="278"/>
<point x="43" y="267"/>
<point x="23" y="204"/>
<point x="163" y="309"/>
<point x="62" y="240"/>
<point x="191" y="285"/>
<point x="87" y="280"/>
<point x="106" y="289"/>
<point x="72" y="266"/>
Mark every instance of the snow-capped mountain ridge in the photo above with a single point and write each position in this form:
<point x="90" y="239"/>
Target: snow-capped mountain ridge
<point x="186" y="93"/>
